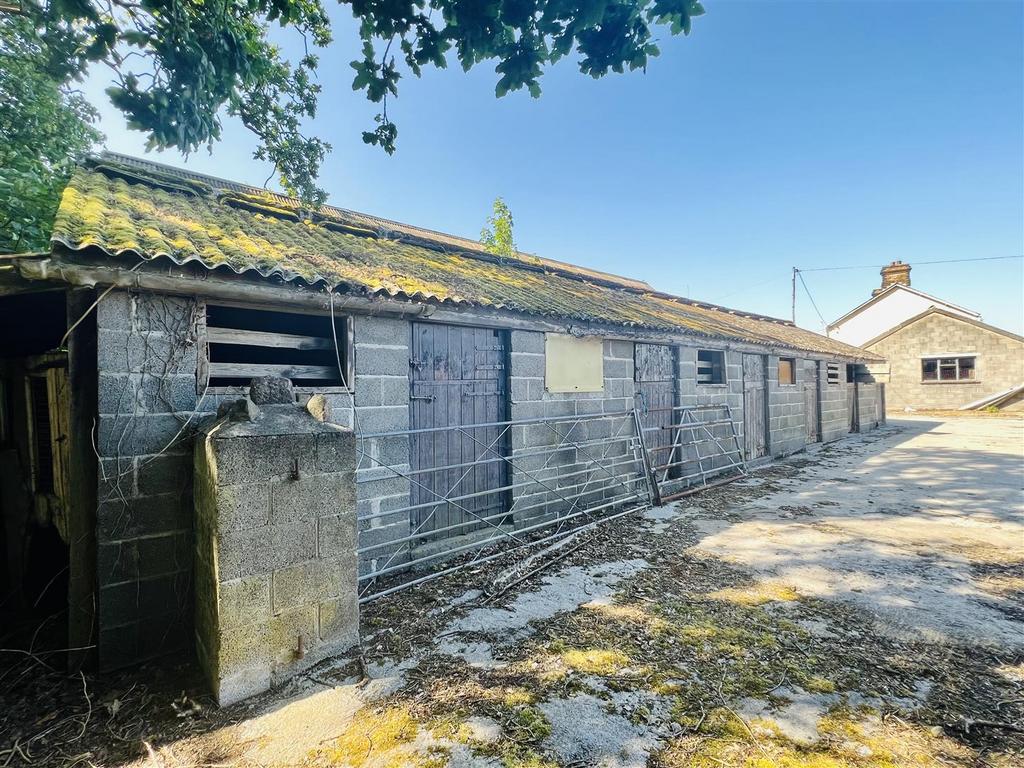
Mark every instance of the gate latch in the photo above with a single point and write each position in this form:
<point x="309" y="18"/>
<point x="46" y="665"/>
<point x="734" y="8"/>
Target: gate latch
<point x="427" y="398"/>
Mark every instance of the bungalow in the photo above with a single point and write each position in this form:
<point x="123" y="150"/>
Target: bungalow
<point x="495" y="401"/>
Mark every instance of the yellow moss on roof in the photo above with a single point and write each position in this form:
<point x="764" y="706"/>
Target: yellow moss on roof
<point x="126" y="215"/>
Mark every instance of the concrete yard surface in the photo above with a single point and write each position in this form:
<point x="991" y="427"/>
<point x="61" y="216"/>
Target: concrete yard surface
<point x="857" y="606"/>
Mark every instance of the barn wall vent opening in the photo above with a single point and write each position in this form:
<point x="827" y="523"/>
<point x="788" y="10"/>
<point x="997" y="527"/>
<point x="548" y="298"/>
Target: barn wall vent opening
<point x="243" y="343"/>
<point x="710" y="366"/>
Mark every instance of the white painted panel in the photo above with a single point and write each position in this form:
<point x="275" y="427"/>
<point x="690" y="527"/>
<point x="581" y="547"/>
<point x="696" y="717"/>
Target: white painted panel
<point x="572" y="364"/>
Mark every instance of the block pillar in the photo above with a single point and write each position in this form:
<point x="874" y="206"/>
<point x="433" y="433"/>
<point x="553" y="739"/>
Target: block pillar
<point x="276" y="566"/>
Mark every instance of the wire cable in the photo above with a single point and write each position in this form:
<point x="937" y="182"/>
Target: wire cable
<point x="916" y="263"/>
<point x="813" y="303"/>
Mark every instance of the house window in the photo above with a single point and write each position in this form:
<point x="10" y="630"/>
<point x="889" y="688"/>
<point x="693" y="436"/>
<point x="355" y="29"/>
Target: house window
<point x="947" y="368"/>
<point x="245" y="343"/>
<point x="787" y="370"/>
<point x="710" y="366"/>
<point x="832" y="372"/>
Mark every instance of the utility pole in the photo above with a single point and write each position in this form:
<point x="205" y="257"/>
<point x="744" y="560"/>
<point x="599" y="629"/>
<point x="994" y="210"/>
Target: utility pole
<point x="795" y="270"/>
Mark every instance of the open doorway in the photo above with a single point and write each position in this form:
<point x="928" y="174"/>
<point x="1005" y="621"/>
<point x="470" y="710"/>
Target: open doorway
<point x="34" y="442"/>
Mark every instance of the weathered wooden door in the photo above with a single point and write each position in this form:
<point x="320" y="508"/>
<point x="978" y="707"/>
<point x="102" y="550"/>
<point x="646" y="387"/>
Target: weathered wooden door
<point x="458" y="381"/>
<point x="755" y="407"/>
<point x="655" y="376"/>
<point x="812" y="400"/>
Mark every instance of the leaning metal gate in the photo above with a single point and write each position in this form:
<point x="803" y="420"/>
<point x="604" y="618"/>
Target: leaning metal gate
<point x="559" y="475"/>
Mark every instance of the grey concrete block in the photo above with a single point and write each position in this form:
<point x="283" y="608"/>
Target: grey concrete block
<point x="285" y="630"/>
<point x="528" y="341"/>
<point x="528" y="364"/>
<point x="618" y="349"/>
<point x="143" y="558"/>
<point x="116" y="311"/>
<point x="310" y="497"/>
<point x="339" y="620"/>
<point x="252" y="460"/>
<point x="336" y="451"/>
<point x="376" y="360"/>
<point x="381" y="331"/>
<point x="139" y="435"/>
<point x="310" y="582"/>
<point x="382" y="419"/>
<point x="167" y="473"/>
<point x="336" y="536"/>
<point x="241" y="602"/>
<point x="255" y="551"/>
<point x="242" y="507"/>
<point x="118" y="519"/>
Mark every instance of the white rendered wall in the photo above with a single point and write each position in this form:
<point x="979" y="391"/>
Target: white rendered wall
<point x="888" y="312"/>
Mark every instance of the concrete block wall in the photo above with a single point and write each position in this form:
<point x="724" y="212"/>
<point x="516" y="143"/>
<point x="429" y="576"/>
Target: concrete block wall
<point x="869" y="399"/>
<point x="787" y="428"/>
<point x="835" y="420"/>
<point x="381" y="398"/>
<point x="275" y="557"/>
<point x="530" y="399"/>
<point x="730" y="393"/>
<point x="146" y="404"/>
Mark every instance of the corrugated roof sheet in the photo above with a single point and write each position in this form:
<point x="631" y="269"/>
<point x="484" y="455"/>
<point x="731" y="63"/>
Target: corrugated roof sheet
<point x="156" y="211"/>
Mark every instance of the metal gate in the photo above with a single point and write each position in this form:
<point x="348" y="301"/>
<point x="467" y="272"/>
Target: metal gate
<point x="655" y="368"/>
<point x="458" y="378"/>
<point x="755" y="407"/>
<point x="812" y="400"/>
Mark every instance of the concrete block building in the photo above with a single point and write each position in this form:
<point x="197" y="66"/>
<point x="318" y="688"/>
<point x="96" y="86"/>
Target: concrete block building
<point x="936" y="354"/>
<point x="486" y="397"/>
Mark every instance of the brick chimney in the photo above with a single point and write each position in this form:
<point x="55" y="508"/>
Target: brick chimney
<point x="897" y="272"/>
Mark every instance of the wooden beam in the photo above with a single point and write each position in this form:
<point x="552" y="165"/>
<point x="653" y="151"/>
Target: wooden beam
<point x="252" y="370"/>
<point x="266" y="339"/>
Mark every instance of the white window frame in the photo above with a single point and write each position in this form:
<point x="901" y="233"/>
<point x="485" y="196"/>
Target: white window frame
<point x="957" y="357"/>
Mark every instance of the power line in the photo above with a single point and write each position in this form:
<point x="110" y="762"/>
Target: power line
<point x="915" y="263"/>
<point x="813" y="303"/>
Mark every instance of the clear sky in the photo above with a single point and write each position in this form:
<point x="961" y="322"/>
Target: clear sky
<point x="778" y="134"/>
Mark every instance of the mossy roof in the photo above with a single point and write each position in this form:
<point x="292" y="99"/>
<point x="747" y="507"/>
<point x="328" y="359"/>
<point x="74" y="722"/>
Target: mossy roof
<point x="154" y="211"/>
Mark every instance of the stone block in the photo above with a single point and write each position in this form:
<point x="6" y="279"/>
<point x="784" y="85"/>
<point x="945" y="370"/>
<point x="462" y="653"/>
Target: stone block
<point x="527" y="341"/>
<point x="242" y="507"/>
<point x="381" y="360"/>
<point x="260" y="550"/>
<point x="135" y="559"/>
<point x="310" y="497"/>
<point x="339" y="620"/>
<point x="139" y="435"/>
<point x="241" y="685"/>
<point x="614" y="348"/>
<point x="336" y="451"/>
<point x="527" y="364"/>
<point x="167" y="473"/>
<point x="245" y="648"/>
<point x="242" y="601"/>
<point x="309" y="582"/>
<point x="118" y="519"/>
<point x="116" y="311"/>
<point x="256" y="460"/>
<point x="385" y="331"/>
<point x="336" y="536"/>
<point x="285" y="630"/>
<point x="385" y="418"/>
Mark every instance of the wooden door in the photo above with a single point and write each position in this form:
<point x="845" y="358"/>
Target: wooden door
<point x="812" y="400"/>
<point x="755" y="407"/>
<point x="655" y="376"/>
<point x="458" y="379"/>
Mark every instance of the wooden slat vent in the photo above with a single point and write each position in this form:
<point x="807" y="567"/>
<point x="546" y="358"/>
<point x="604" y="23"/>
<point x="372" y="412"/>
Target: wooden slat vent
<point x="246" y="343"/>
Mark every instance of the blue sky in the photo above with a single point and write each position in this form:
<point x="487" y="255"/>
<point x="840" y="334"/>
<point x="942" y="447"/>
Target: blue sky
<point x="778" y="134"/>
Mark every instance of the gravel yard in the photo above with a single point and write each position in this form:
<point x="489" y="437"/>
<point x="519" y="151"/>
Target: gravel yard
<point x="860" y="606"/>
